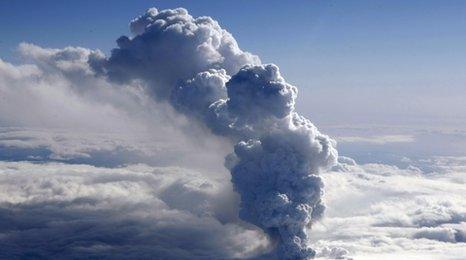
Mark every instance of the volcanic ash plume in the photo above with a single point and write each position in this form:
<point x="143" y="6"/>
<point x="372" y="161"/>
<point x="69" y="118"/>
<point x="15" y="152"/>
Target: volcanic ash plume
<point x="198" y="67"/>
<point x="277" y="158"/>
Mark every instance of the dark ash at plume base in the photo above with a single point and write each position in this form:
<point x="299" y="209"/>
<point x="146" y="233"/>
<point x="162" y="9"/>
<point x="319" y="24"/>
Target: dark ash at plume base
<point x="198" y="67"/>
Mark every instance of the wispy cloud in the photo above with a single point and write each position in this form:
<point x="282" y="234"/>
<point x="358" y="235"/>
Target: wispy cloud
<point x="377" y="139"/>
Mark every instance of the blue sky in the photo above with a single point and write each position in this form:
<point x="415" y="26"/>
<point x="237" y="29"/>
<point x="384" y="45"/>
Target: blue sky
<point x="355" y="62"/>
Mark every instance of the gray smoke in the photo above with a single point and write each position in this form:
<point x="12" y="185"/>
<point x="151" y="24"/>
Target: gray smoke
<point x="198" y="67"/>
<point x="171" y="46"/>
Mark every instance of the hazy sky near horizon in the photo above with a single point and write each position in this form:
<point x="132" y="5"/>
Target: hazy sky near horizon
<point x="354" y="62"/>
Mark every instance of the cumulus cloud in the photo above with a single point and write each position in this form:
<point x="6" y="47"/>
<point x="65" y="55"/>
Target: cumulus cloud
<point x="378" y="210"/>
<point x="140" y="211"/>
<point x="446" y="233"/>
<point x="78" y="211"/>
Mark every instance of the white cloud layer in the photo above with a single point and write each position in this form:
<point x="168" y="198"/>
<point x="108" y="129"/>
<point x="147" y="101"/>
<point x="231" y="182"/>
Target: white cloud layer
<point x="80" y="211"/>
<point x="377" y="139"/>
<point x="381" y="211"/>
<point x="373" y="210"/>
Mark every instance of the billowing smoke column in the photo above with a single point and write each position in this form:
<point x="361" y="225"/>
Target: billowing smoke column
<point x="198" y="67"/>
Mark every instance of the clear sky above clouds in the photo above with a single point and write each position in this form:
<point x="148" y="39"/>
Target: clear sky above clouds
<point x="355" y="62"/>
